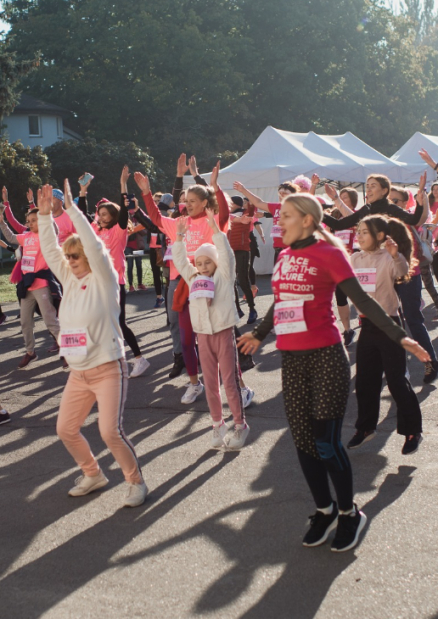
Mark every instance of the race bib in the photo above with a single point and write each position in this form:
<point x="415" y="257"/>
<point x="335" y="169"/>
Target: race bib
<point x="289" y="317"/>
<point x="344" y="236"/>
<point x="367" y="278"/>
<point x="28" y="264"/>
<point x="73" y="342"/>
<point x="276" y="232"/>
<point x="202" y="287"/>
<point x="168" y="254"/>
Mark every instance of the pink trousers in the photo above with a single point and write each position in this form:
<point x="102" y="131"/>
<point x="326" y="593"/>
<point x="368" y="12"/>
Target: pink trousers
<point x="108" y="385"/>
<point x="218" y="354"/>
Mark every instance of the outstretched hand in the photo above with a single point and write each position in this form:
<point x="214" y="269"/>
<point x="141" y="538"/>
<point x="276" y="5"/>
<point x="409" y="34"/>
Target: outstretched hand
<point x="29" y="195"/>
<point x="4" y="194"/>
<point x="414" y="348"/>
<point x="68" y="198"/>
<point x="182" y="166"/>
<point x="331" y="192"/>
<point x="248" y="344"/>
<point x="427" y="158"/>
<point x="193" y="167"/>
<point x="45" y="200"/>
<point x="143" y="182"/>
<point x="239" y="187"/>
<point x="215" y="176"/>
<point x="391" y="246"/>
<point x="181" y="226"/>
<point x="211" y="220"/>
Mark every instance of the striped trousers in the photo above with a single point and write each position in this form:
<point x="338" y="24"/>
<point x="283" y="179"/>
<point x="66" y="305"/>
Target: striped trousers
<point x="107" y="384"/>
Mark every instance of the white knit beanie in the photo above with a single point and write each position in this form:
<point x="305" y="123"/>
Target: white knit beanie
<point x="208" y="249"/>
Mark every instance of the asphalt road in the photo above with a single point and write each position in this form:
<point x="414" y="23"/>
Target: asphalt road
<point x="220" y="534"/>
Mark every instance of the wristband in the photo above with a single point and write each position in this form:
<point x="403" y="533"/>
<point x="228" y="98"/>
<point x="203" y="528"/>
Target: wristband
<point x="180" y="233"/>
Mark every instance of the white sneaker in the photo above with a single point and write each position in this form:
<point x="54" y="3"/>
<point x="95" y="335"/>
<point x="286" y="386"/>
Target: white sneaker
<point x="237" y="441"/>
<point x="140" y="365"/>
<point x="218" y="435"/>
<point x="86" y="484"/>
<point x="136" y="495"/>
<point x="192" y="393"/>
<point x="247" y="396"/>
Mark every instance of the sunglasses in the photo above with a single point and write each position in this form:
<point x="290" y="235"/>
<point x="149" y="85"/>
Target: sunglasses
<point x="72" y="256"/>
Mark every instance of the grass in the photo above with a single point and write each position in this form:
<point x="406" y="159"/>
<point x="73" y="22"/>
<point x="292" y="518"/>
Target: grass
<point x="8" y="291"/>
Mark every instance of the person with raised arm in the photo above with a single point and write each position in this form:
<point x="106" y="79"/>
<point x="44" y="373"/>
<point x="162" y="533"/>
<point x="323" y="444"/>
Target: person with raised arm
<point x="284" y="190"/>
<point x="199" y="199"/>
<point x="315" y="367"/>
<point x="91" y="340"/>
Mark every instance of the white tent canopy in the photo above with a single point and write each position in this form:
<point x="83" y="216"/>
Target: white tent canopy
<point x="277" y="156"/>
<point x="408" y="158"/>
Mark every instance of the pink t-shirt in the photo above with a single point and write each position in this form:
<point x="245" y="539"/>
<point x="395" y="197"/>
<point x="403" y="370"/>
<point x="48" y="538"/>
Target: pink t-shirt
<point x="199" y="232"/>
<point x="115" y="240"/>
<point x="434" y="208"/>
<point x="303" y="284"/>
<point x="32" y="260"/>
<point x="274" y="209"/>
<point x="65" y="227"/>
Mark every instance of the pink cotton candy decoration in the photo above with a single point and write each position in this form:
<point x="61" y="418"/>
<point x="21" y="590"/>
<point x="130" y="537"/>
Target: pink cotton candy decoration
<point x="16" y="276"/>
<point x="303" y="181"/>
<point x="411" y="201"/>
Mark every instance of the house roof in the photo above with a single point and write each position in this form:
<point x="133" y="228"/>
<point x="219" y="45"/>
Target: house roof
<point x="30" y="104"/>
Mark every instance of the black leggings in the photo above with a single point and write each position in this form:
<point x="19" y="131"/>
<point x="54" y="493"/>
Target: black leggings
<point x="242" y="273"/>
<point x="127" y="333"/>
<point x="156" y="271"/>
<point x="315" y="391"/>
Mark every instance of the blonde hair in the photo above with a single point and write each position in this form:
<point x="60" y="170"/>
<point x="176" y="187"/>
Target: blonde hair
<point x="74" y="243"/>
<point x="307" y="204"/>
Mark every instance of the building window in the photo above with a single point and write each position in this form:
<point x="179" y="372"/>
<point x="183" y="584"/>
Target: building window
<point x="34" y="126"/>
<point x="59" y="127"/>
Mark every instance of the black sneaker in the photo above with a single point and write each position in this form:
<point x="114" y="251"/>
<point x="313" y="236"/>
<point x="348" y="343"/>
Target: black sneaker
<point x="4" y="417"/>
<point x="178" y="365"/>
<point x="360" y="438"/>
<point x="246" y="362"/>
<point x="252" y="316"/>
<point x="321" y="525"/>
<point x="348" y="531"/>
<point x="411" y="444"/>
<point x="430" y="371"/>
<point x="348" y="337"/>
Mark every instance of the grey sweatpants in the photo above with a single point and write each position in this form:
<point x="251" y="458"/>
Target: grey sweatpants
<point x="43" y="297"/>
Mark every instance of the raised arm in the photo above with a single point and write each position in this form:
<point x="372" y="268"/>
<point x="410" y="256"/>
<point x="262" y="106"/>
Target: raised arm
<point x="333" y="195"/>
<point x="152" y="209"/>
<point x="224" y="209"/>
<point x="143" y="219"/>
<point x="422" y="199"/>
<point x="50" y="248"/>
<point x="346" y="222"/>
<point x="195" y="172"/>
<point x="179" y="252"/>
<point x="181" y="168"/>
<point x="7" y="232"/>
<point x="255" y="200"/>
<point x="14" y="223"/>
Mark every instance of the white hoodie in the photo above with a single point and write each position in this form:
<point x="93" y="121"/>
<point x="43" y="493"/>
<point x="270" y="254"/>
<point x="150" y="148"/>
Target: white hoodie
<point x="222" y="313"/>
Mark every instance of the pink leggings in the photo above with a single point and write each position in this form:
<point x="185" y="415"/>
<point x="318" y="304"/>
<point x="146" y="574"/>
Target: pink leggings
<point x="219" y="351"/>
<point x="108" y="384"/>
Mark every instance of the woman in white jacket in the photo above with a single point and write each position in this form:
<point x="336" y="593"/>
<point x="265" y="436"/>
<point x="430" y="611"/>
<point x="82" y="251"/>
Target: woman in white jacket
<point x="92" y="343"/>
<point x="213" y="315"/>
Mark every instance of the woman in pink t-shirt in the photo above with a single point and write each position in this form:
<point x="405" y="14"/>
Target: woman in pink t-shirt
<point x="315" y="367"/>
<point x="112" y="227"/>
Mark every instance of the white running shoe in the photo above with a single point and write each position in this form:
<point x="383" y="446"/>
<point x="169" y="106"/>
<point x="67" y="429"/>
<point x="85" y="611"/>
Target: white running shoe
<point x="86" y="484"/>
<point x="140" y="365"/>
<point x="192" y="393"/>
<point x="247" y="396"/>
<point x="218" y="435"/>
<point x="136" y="495"/>
<point x="237" y="441"/>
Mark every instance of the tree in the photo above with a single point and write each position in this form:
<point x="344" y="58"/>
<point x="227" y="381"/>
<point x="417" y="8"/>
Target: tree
<point x="105" y="160"/>
<point x="11" y="73"/>
<point x="22" y="168"/>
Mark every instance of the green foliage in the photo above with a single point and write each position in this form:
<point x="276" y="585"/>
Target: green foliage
<point x="11" y="73"/>
<point x="207" y="76"/>
<point x="104" y="160"/>
<point x="22" y="168"/>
